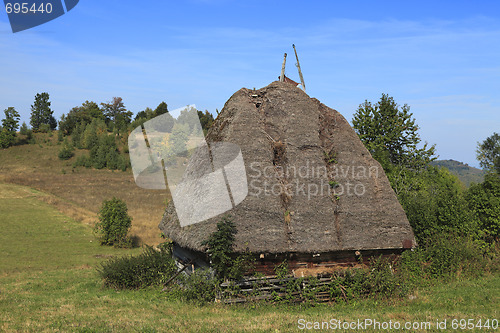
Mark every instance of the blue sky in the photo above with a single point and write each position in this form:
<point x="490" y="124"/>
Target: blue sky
<point x="443" y="59"/>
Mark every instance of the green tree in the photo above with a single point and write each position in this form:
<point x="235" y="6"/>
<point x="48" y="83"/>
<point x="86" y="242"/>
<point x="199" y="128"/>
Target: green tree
<point x="160" y="109"/>
<point x="104" y="154"/>
<point x="389" y="132"/>
<point x="24" y="129"/>
<point x="80" y="114"/>
<point x="41" y="113"/>
<point x="220" y="247"/>
<point x="90" y="137"/>
<point x="433" y="200"/>
<point x="11" y="121"/>
<point x="488" y="153"/>
<point x="178" y="139"/>
<point x="117" y="116"/>
<point x="9" y="127"/>
<point x="146" y="114"/>
<point x="206" y="120"/>
<point x="114" y="222"/>
<point x="484" y="201"/>
<point x="66" y="151"/>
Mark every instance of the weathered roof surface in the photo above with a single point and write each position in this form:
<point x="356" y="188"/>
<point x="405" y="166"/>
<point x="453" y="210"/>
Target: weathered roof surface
<point x="279" y="127"/>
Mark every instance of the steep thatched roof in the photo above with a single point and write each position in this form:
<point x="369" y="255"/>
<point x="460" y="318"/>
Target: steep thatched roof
<point x="280" y="128"/>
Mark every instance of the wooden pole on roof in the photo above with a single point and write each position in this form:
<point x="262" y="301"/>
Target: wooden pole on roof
<point x="282" y="76"/>
<point x="298" y="66"/>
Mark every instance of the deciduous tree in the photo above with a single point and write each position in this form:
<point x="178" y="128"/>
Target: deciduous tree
<point x="80" y="114"/>
<point x="488" y="153"/>
<point x="116" y="114"/>
<point x="389" y="131"/>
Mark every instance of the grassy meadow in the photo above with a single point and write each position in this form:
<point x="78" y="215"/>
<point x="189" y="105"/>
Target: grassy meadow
<point x="49" y="256"/>
<point x="49" y="284"/>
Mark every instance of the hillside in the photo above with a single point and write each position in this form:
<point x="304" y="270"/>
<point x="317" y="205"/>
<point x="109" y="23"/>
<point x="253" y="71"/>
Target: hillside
<point x="464" y="172"/>
<point x="79" y="192"/>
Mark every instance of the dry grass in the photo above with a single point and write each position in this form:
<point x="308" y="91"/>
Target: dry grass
<point x="78" y="193"/>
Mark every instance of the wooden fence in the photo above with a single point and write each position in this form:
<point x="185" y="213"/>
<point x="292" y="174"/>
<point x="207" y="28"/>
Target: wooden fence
<point x="270" y="288"/>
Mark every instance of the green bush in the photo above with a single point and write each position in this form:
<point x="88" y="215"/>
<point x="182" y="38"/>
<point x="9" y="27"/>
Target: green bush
<point x="447" y="256"/>
<point x="30" y="137"/>
<point x="201" y="286"/>
<point x="66" y="152"/>
<point x="76" y="135"/>
<point x="44" y="128"/>
<point x="83" y="160"/>
<point x="484" y="201"/>
<point x="114" y="223"/>
<point x="7" y="139"/>
<point x="149" y="268"/>
<point x="433" y="201"/>
<point x="24" y="129"/>
<point x="227" y="264"/>
<point x="450" y="254"/>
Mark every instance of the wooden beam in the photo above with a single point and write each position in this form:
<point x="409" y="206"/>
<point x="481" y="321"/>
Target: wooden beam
<point x="298" y="66"/>
<point x="282" y="76"/>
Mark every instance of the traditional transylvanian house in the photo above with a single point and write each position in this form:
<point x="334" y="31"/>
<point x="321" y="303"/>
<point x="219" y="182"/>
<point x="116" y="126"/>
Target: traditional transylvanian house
<point x="316" y="197"/>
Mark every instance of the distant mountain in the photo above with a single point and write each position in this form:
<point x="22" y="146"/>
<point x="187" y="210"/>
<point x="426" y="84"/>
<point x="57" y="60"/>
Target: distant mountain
<point x="463" y="171"/>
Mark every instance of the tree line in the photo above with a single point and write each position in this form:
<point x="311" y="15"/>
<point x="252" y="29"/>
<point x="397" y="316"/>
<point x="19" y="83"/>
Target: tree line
<point x="102" y="129"/>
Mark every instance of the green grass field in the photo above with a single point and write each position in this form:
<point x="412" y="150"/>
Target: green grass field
<point x="48" y="283"/>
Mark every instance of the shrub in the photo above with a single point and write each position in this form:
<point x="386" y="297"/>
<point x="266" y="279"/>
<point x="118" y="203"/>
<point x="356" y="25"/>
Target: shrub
<point x="433" y="201"/>
<point x="484" y="201"/>
<point x="44" y="128"/>
<point x="201" y="286"/>
<point x="6" y="139"/>
<point x="149" y="268"/>
<point x="114" y="223"/>
<point x="446" y="256"/>
<point x="122" y="163"/>
<point x="24" y="129"/>
<point x="224" y="260"/>
<point x="30" y="137"/>
<point x="66" y="152"/>
<point x="83" y="160"/>
<point x="451" y="254"/>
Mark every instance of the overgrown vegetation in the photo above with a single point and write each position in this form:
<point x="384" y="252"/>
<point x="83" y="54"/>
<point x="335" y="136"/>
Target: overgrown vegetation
<point x="434" y="200"/>
<point x="151" y="267"/>
<point x="444" y="258"/>
<point x="226" y="263"/>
